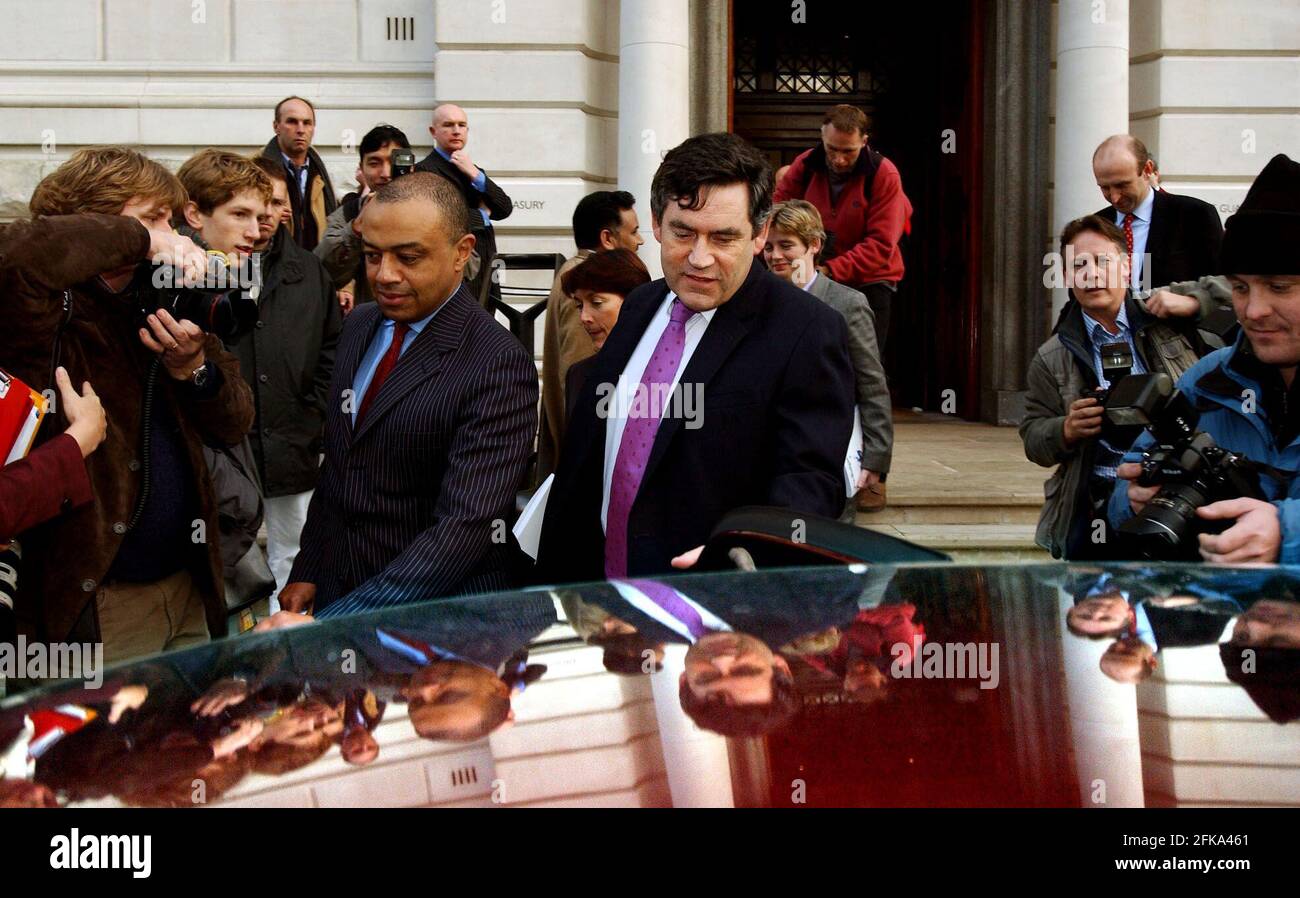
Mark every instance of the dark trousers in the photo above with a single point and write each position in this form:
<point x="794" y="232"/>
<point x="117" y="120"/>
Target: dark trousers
<point x="1082" y="546"/>
<point x="880" y="298"/>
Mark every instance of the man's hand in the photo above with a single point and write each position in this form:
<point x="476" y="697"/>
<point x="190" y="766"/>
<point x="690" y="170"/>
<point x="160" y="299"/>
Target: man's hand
<point x="687" y="559"/>
<point x="167" y="248"/>
<point x="461" y="160"/>
<point x="244" y="732"/>
<point x="220" y="695"/>
<point x="1167" y="304"/>
<point x="180" y="343"/>
<point x="867" y="478"/>
<point x="1084" y="420"/>
<point x="346" y="300"/>
<point x="87" y="423"/>
<point x="1255" y="538"/>
<point x="1138" y="496"/>
<point x="298" y="597"/>
<point x="128" y="698"/>
<point x="282" y="620"/>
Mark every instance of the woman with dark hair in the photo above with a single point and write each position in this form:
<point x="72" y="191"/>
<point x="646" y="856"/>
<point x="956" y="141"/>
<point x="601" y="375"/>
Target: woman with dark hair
<point x="598" y="286"/>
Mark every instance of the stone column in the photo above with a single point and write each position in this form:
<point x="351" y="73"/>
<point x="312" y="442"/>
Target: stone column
<point x="697" y="763"/>
<point x="653" y="98"/>
<point x="1013" y="301"/>
<point x="1091" y="103"/>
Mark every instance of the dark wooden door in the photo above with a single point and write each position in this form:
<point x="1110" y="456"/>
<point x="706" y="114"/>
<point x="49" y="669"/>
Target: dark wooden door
<point x="916" y="70"/>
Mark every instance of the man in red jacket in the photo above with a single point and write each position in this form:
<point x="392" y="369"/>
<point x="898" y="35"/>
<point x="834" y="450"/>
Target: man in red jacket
<point x="860" y="197"/>
<point x="864" y="211"/>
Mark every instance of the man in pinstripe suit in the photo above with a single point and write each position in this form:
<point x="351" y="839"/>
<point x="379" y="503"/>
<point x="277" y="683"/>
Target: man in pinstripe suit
<point x="432" y="413"/>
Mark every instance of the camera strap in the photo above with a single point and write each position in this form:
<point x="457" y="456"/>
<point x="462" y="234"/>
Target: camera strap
<point x="57" y="349"/>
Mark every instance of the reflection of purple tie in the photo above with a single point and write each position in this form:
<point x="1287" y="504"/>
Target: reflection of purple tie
<point x="639" y="437"/>
<point x="668" y="599"/>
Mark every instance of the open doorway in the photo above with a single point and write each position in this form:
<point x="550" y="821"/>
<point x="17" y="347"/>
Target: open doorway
<point x="917" y="72"/>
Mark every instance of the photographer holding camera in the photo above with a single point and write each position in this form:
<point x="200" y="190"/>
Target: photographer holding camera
<point x="1246" y="393"/>
<point x="1104" y="335"/>
<point x="139" y="568"/>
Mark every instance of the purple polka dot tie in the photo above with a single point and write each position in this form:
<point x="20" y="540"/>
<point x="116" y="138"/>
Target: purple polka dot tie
<point x="639" y="437"/>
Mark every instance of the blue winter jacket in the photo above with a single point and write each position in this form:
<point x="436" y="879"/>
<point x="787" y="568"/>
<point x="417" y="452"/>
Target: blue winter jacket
<point x="1232" y="413"/>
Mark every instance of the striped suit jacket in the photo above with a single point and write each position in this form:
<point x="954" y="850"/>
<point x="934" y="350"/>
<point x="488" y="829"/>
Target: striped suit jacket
<point x="415" y="502"/>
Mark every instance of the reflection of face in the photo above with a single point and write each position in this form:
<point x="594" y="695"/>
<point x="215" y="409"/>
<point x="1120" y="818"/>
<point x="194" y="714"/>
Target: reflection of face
<point x="411" y="264"/>
<point x="359" y="747"/>
<point x="450" y="128"/>
<point x="1100" y="274"/>
<point x="1269" y="624"/>
<point x="1268" y="307"/>
<point x="1122" y="184"/>
<point x="706" y="253"/>
<point x="277" y="212"/>
<point x="450" y="696"/>
<point x="598" y="313"/>
<point x="842" y="148"/>
<point x="1128" y="660"/>
<point x="733" y="667"/>
<point x="863" y="681"/>
<point x="1099" y="615"/>
<point x="230" y="228"/>
<point x="788" y="257"/>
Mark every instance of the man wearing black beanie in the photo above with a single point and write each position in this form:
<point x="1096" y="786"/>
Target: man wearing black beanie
<point x="1248" y="392"/>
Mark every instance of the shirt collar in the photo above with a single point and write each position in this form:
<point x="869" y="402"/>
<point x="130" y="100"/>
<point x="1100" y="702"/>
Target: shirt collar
<point x="667" y="310"/>
<point x="418" y="326"/>
<point x="441" y="152"/>
<point x="289" y="162"/>
<point x="1121" y="322"/>
<point x="808" y="286"/>
<point x="1143" y="210"/>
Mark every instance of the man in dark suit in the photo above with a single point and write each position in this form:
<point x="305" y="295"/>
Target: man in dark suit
<point x="432" y="413"/>
<point x="486" y="201"/>
<point x="720" y="386"/>
<point x="1180" y="235"/>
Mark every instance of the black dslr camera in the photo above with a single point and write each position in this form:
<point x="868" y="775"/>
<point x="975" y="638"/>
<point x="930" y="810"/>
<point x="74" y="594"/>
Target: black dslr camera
<point x="1116" y="364"/>
<point x="224" y="304"/>
<point x="1191" y="469"/>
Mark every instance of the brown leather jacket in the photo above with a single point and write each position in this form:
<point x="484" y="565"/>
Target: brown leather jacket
<point x="65" y="559"/>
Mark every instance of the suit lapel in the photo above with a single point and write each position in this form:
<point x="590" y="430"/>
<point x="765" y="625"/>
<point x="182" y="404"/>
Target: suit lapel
<point x="1157" y="231"/>
<point x="421" y="360"/>
<point x="365" y="321"/>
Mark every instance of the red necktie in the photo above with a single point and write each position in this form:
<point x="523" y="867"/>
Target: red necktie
<point x="386" y="365"/>
<point x="1128" y="232"/>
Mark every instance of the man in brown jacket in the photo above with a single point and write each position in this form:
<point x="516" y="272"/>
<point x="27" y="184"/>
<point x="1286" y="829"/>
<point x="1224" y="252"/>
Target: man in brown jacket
<point x="139" y="568"/>
<point x="605" y="219"/>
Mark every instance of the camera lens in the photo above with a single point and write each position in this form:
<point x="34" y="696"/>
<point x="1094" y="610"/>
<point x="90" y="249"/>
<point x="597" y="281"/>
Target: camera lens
<point x="1165" y="529"/>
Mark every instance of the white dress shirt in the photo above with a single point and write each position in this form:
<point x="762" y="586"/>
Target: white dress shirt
<point x="1141" y="229"/>
<point x="652" y="609"/>
<point x="625" y="393"/>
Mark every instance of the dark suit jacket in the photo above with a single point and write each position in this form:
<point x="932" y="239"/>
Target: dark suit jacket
<point x="774" y="430"/>
<point x="1184" y="238"/>
<point x="498" y="204"/>
<point x="411" y="504"/>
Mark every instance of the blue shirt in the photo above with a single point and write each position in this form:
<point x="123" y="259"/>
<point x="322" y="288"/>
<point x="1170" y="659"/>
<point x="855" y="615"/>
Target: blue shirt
<point x="1108" y="456"/>
<point x="300" y="172"/>
<point x="379" y="344"/>
<point x="1141" y="228"/>
<point x="479" y="184"/>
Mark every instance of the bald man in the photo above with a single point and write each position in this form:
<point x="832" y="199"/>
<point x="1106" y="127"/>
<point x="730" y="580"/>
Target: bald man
<point x="486" y="201"/>
<point x="1171" y="237"/>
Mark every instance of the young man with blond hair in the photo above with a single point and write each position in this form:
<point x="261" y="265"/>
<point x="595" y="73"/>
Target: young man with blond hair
<point x="139" y="569"/>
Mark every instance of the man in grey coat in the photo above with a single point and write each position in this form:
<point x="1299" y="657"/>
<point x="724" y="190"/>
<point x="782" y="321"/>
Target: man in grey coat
<point x="795" y="237"/>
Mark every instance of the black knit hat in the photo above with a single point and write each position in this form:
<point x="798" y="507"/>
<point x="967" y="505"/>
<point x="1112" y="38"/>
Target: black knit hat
<point x="1263" y="237"/>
